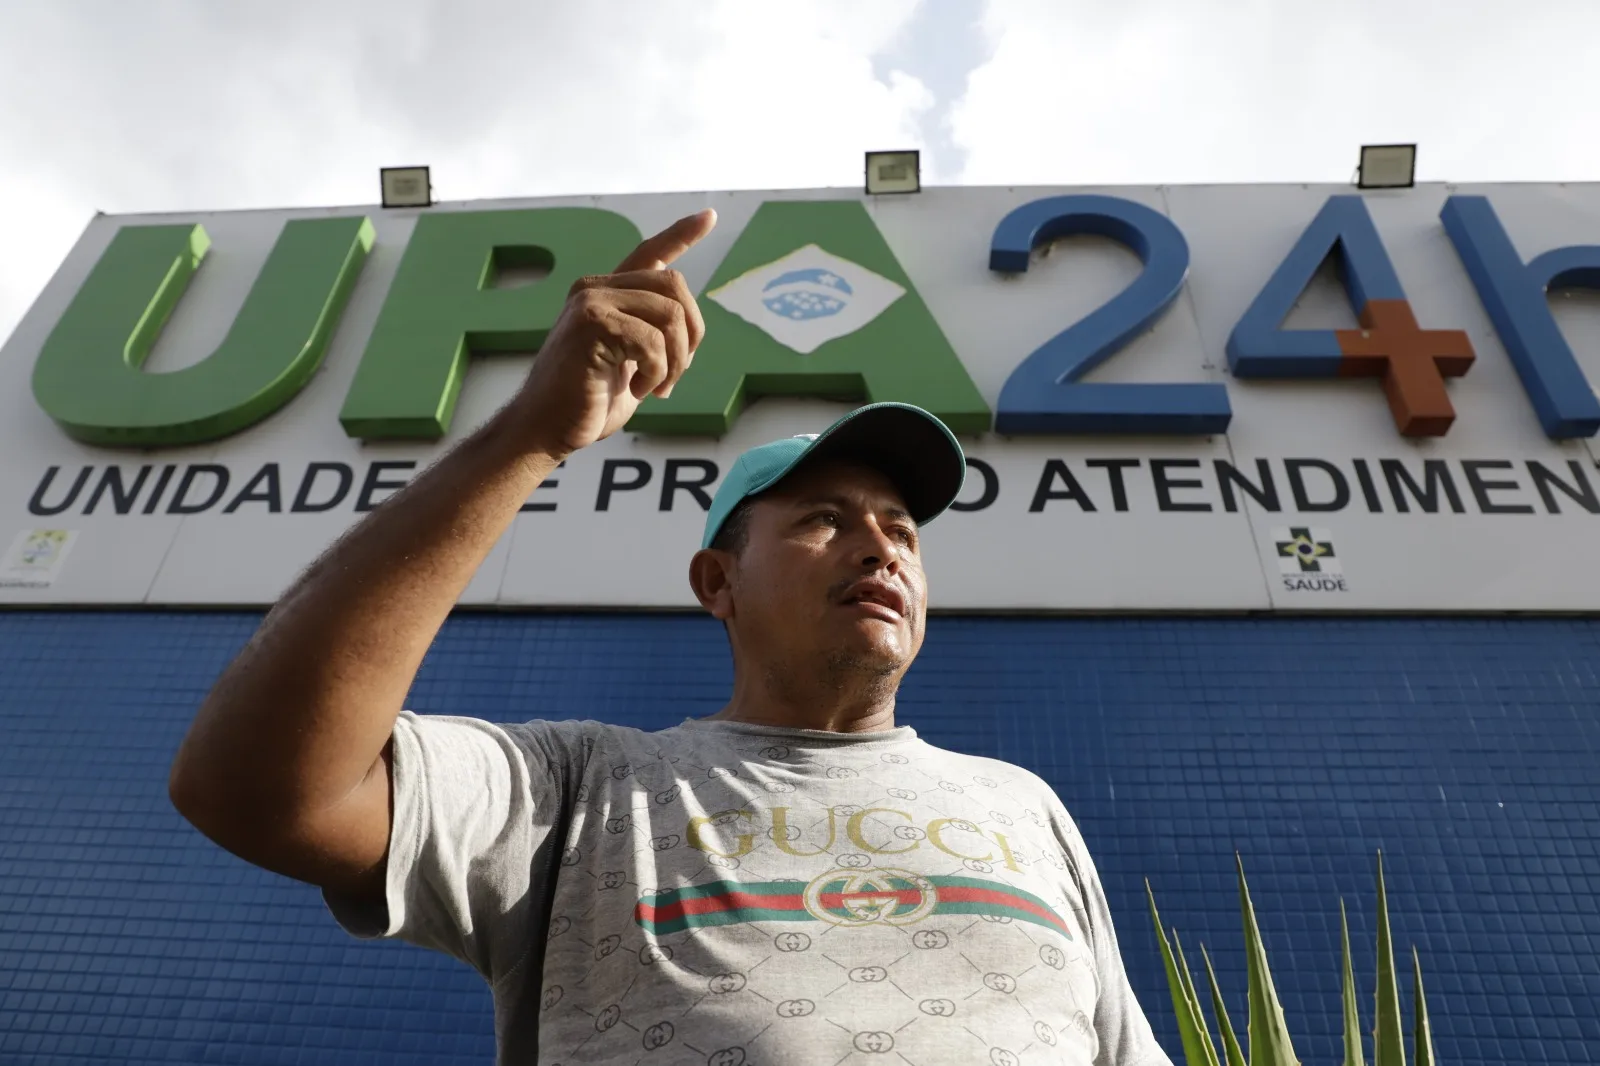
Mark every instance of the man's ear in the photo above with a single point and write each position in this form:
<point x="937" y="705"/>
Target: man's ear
<point x="711" y="578"/>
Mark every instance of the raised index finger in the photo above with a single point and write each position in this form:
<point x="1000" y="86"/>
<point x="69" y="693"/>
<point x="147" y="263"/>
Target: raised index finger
<point x="658" y="252"/>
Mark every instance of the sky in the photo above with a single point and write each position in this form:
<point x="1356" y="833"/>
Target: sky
<point x="178" y="105"/>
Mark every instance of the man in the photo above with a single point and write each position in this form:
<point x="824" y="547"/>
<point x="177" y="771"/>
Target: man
<point x="796" y="879"/>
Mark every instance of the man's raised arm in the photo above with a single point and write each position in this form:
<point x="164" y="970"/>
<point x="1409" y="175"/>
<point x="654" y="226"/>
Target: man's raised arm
<point x="287" y="762"/>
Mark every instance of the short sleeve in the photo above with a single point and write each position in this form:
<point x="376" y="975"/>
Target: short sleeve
<point x="1124" y="1033"/>
<point x="469" y="846"/>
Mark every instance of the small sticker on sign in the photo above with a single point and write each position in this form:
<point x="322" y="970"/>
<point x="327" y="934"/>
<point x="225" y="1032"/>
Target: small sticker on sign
<point x="35" y="558"/>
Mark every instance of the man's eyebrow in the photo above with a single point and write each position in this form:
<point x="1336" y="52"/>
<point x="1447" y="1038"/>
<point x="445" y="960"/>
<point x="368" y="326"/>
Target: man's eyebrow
<point x="897" y="513"/>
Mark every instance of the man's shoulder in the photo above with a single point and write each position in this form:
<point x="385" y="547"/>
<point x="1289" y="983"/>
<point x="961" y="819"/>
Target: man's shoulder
<point x="549" y="738"/>
<point x="579" y="732"/>
<point x="624" y="743"/>
<point x="988" y="772"/>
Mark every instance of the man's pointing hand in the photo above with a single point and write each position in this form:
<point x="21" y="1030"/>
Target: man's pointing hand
<point x="621" y="337"/>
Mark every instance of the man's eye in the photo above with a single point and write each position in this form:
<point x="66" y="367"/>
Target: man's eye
<point x="905" y="536"/>
<point x="830" y="518"/>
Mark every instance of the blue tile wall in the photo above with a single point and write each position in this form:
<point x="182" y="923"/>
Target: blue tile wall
<point x="1467" y="750"/>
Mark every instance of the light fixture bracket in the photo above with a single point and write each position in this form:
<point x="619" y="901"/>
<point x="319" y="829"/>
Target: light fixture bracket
<point x="406" y="186"/>
<point x="894" y="172"/>
<point x="1387" y="166"/>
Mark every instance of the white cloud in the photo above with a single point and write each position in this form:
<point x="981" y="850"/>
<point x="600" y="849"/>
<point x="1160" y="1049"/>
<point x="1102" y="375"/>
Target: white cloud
<point x="194" y="105"/>
<point x="1169" y="91"/>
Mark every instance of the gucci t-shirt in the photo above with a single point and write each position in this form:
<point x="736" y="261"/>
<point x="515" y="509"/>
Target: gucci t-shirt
<point x="722" y="894"/>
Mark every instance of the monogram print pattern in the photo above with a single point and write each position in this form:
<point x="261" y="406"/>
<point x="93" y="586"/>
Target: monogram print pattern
<point x="739" y="897"/>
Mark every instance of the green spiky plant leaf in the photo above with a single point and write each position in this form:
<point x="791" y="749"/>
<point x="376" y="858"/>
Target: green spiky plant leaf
<point x="1423" y="1054"/>
<point x="1193" y="997"/>
<point x="1230" y="1043"/>
<point x="1388" y="1042"/>
<point x="1190" y="1024"/>
<point x="1352" y="1019"/>
<point x="1269" y="1032"/>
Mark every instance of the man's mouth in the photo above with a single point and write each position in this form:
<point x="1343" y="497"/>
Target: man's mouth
<point x="877" y="598"/>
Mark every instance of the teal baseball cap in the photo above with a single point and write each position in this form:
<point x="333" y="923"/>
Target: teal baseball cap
<point x="911" y="447"/>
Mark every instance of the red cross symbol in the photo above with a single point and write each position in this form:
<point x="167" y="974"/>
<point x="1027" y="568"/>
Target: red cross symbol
<point x="1413" y="363"/>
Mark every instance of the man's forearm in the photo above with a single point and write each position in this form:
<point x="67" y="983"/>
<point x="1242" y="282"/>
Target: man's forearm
<point x="304" y="712"/>
<point x="285" y="764"/>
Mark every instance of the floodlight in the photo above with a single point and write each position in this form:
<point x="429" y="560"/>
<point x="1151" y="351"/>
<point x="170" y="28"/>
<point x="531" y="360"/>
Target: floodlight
<point x="406" y="187"/>
<point x="1387" y="166"/>
<point x="893" y="172"/>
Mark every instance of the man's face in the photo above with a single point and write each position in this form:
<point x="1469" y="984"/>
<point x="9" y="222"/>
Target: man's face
<point x="831" y="573"/>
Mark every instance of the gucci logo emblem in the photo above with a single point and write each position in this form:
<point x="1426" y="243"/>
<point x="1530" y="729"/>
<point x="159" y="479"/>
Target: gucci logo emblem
<point x="658" y="1035"/>
<point x="1001" y="982"/>
<point x="723" y="983"/>
<point x="874" y="1043"/>
<point x="867" y="897"/>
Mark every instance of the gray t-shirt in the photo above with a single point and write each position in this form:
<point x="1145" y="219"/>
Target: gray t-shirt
<point x="725" y="894"/>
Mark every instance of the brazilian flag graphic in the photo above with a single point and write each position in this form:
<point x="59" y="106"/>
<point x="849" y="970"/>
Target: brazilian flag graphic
<point x="811" y="301"/>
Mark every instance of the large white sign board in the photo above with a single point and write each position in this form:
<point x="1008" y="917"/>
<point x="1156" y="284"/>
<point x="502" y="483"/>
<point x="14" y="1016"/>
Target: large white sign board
<point x="1138" y="523"/>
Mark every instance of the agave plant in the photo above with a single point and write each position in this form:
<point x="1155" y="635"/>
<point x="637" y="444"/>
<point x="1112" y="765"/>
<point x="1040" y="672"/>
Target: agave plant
<point x="1268" y="1032"/>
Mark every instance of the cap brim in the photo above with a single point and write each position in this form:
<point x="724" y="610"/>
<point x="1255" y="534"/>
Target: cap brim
<point x="913" y="448"/>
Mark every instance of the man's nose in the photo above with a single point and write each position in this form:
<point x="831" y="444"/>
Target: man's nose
<point x="877" y="550"/>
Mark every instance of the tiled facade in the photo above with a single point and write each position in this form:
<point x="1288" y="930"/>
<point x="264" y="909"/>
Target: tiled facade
<point x="1468" y="750"/>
